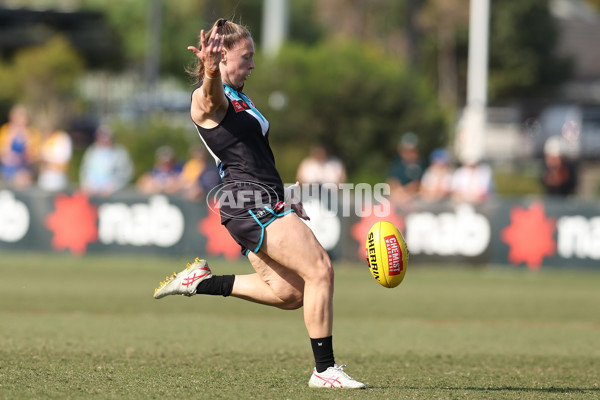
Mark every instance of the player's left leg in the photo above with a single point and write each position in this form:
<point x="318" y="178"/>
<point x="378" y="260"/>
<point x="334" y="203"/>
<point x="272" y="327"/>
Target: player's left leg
<point x="272" y="284"/>
<point x="185" y="282"/>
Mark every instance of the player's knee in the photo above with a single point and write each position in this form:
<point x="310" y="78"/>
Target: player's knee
<point x="291" y="297"/>
<point x="293" y="301"/>
<point x="324" y="271"/>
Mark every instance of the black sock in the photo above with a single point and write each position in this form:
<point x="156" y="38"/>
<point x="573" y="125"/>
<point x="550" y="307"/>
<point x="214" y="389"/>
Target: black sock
<point x="323" y="351"/>
<point x="216" y="285"/>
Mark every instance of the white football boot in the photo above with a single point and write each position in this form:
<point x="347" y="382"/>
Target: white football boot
<point x="334" y="377"/>
<point x="185" y="282"/>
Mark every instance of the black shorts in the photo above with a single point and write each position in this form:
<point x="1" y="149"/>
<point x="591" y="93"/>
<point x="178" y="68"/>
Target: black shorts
<point x="249" y="232"/>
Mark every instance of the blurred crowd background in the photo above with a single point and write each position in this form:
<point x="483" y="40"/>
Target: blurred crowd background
<point x="94" y="95"/>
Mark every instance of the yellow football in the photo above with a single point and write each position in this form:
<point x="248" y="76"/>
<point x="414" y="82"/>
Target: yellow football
<point x="387" y="254"/>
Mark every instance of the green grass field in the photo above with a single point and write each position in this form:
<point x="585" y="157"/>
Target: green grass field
<point x="89" y="328"/>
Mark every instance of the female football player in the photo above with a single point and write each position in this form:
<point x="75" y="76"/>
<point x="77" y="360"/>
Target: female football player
<point x="292" y="270"/>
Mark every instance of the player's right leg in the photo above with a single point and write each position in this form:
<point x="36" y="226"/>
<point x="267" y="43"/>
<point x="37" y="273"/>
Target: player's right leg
<point x="334" y="377"/>
<point x="292" y="244"/>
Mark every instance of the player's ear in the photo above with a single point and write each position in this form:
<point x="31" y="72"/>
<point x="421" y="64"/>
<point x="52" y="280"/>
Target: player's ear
<point x="224" y="55"/>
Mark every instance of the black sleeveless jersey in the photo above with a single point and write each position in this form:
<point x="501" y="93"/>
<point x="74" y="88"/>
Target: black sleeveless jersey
<point x="240" y="147"/>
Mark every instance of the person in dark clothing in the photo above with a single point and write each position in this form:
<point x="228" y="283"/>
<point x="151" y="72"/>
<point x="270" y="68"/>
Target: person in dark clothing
<point x="292" y="269"/>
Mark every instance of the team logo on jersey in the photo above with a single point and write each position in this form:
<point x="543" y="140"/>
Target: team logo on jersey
<point x="240" y="105"/>
<point x="279" y="206"/>
<point x="241" y="102"/>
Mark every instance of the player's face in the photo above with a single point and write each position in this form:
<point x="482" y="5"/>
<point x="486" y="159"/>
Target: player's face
<point x="239" y="63"/>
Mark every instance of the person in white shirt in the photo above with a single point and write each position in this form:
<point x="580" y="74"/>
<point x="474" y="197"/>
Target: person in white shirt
<point x="436" y="184"/>
<point x="472" y="182"/>
<point x="320" y="167"/>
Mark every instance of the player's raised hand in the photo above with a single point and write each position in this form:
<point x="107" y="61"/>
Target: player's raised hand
<point x="210" y="53"/>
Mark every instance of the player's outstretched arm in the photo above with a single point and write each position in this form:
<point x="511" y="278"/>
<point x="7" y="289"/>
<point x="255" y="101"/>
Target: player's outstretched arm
<point x="209" y="102"/>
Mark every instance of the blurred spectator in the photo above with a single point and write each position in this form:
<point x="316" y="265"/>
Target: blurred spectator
<point x="55" y="155"/>
<point x="198" y="175"/>
<point x="436" y="184"/>
<point x="406" y="171"/>
<point x="106" y="167"/>
<point x="19" y="149"/>
<point x="472" y="182"/>
<point x="164" y="177"/>
<point x="559" y="175"/>
<point x="320" y="167"/>
<point x="209" y="178"/>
